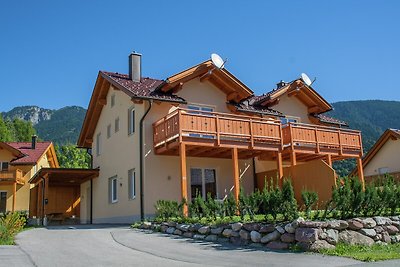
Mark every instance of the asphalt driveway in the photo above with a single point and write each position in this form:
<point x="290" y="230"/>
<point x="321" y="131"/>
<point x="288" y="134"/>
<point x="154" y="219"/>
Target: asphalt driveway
<point x="120" y="246"/>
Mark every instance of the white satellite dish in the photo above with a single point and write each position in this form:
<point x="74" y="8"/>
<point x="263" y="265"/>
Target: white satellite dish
<point x="217" y="61"/>
<point x="306" y="79"/>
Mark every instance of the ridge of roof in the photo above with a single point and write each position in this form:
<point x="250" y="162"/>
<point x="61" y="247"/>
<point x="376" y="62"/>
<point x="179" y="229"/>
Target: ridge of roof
<point x="31" y="155"/>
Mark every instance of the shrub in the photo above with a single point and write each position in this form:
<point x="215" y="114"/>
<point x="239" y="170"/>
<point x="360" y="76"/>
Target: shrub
<point x="10" y="225"/>
<point x="309" y="198"/>
<point x="288" y="207"/>
<point x="167" y="209"/>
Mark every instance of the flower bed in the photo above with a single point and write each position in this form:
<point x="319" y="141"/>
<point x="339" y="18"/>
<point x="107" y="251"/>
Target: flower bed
<point x="307" y="235"/>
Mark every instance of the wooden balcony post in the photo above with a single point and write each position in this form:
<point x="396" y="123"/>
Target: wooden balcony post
<point x="251" y="134"/>
<point x="14" y="195"/>
<point x="329" y="160"/>
<point x="360" y="172"/>
<point x="235" y="165"/>
<point x="46" y="194"/>
<point x="280" y="167"/>
<point x="217" y="129"/>
<point x="293" y="159"/>
<point x="184" y="195"/>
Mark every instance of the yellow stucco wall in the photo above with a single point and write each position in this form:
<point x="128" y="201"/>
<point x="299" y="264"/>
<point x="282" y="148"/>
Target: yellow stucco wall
<point x="387" y="157"/>
<point x="291" y="106"/>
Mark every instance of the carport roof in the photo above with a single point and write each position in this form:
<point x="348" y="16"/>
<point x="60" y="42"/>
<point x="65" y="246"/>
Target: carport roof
<point x="65" y="176"/>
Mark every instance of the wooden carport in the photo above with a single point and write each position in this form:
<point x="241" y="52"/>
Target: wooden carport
<point x="56" y="192"/>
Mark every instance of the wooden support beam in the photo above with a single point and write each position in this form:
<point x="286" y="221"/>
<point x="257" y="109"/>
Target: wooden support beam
<point x="137" y="101"/>
<point x="314" y="109"/>
<point x="293" y="159"/>
<point x="14" y="196"/>
<point x="279" y="166"/>
<point x="102" y="101"/>
<point x="329" y="160"/>
<point x="235" y="165"/>
<point x="177" y="88"/>
<point x="232" y="96"/>
<point x="206" y="76"/>
<point x="184" y="195"/>
<point x="360" y="172"/>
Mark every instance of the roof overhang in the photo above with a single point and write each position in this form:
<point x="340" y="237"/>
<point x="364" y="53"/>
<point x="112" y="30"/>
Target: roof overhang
<point x="389" y="134"/>
<point x="64" y="176"/>
<point x="306" y="94"/>
<point x="206" y="71"/>
<point x="12" y="150"/>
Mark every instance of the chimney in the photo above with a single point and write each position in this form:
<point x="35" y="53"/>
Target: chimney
<point x="34" y="141"/>
<point x="135" y="66"/>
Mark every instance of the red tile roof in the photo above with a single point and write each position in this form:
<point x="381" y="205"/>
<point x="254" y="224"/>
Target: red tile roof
<point x="32" y="155"/>
<point x="330" y="120"/>
<point x="146" y="88"/>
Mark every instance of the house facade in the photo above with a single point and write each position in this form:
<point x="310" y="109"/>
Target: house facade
<point x="383" y="158"/>
<point x="19" y="162"/>
<point x="203" y="131"/>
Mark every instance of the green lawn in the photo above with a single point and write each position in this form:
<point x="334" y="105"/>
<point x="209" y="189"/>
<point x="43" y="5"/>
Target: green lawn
<point x="363" y="253"/>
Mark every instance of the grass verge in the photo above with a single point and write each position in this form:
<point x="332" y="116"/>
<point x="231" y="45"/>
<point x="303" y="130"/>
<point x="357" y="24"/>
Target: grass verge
<point x="364" y="253"/>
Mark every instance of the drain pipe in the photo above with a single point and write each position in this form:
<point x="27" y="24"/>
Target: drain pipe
<point x="89" y="151"/>
<point x="150" y="101"/>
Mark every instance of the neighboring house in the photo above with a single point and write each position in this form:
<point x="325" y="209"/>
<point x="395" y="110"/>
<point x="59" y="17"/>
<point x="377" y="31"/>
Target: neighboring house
<point x="203" y="131"/>
<point x="383" y="158"/>
<point x="19" y="161"/>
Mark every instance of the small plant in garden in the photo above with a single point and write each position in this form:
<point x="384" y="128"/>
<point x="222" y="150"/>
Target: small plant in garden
<point x="309" y="198"/>
<point x="11" y="224"/>
<point x="167" y="209"/>
<point x="289" y="208"/>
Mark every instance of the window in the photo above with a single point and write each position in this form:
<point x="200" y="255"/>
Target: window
<point x="203" y="182"/>
<point x="109" y="131"/>
<point x="3" y="166"/>
<point x="116" y="124"/>
<point x="131" y="120"/>
<point x="193" y="109"/>
<point x="132" y="184"/>
<point x="98" y="144"/>
<point x="113" y="189"/>
<point x="288" y="119"/>
<point x="112" y="100"/>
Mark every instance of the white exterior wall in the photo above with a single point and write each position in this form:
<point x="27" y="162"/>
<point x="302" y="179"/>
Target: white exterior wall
<point x="387" y="157"/>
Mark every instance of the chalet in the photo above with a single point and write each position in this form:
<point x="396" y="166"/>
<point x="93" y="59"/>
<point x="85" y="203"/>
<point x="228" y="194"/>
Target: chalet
<point x="19" y="162"/>
<point x="203" y="130"/>
<point x="383" y="158"/>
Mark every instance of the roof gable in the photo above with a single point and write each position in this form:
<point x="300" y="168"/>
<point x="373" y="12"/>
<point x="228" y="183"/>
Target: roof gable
<point x="389" y="134"/>
<point x="29" y="156"/>
<point x="206" y="71"/>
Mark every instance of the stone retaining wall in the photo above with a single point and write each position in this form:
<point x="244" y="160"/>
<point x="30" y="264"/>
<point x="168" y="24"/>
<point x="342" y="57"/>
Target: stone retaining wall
<point x="309" y="235"/>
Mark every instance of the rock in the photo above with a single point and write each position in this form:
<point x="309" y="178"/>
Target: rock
<point x="146" y="225"/>
<point x="355" y="224"/>
<point x="379" y="229"/>
<point x="244" y="234"/>
<point x="237" y="241"/>
<point x="377" y="237"/>
<point x="188" y="234"/>
<point x="177" y="232"/>
<point x="320" y="244"/>
<point x="234" y="234"/>
<point x="332" y="236"/>
<point x="380" y="243"/>
<point x="368" y="232"/>
<point x="170" y="230"/>
<point x="287" y="238"/>
<point x="394" y="218"/>
<point x="275" y="235"/>
<point x="289" y="228"/>
<point x="183" y="227"/>
<point x="211" y="238"/>
<point x="386" y="237"/>
<point x="322" y="235"/>
<point x="396" y="223"/>
<point x="163" y="228"/>
<point x="338" y="224"/>
<point x="251" y="226"/>
<point x="267" y="228"/>
<point x="382" y="220"/>
<point x="237" y="226"/>
<point x="216" y="231"/>
<point x="296" y="222"/>
<point x="306" y="234"/>
<point x="313" y="224"/>
<point x="223" y="240"/>
<point x="227" y="232"/>
<point x="395" y="239"/>
<point x="391" y="229"/>
<point x="354" y="238"/>
<point x="195" y="227"/>
<point x="204" y="230"/>
<point x="278" y="245"/>
<point x="199" y="237"/>
<point x="280" y="229"/>
<point x="171" y="224"/>
<point x="368" y="223"/>
<point x="255" y="236"/>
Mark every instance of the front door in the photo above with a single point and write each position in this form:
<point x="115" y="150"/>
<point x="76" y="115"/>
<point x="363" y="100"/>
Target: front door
<point x="3" y="202"/>
<point x="203" y="182"/>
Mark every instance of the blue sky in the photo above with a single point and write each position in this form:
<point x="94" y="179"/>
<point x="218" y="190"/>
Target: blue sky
<point x="51" y="51"/>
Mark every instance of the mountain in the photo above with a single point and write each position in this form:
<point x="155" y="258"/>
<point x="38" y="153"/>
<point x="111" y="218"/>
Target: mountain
<point x="371" y="117"/>
<point x="61" y="126"/>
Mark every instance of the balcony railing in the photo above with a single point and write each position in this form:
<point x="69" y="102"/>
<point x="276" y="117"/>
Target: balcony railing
<point x="245" y="132"/>
<point x="220" y="129"/>
<point x="300" y="136"/>
<point x="12" y="176"/>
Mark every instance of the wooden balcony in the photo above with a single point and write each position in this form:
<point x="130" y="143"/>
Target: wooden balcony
<point x="211" y="134"/>
<point x="313" y="140"/>
<point x="10" y="177"/>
